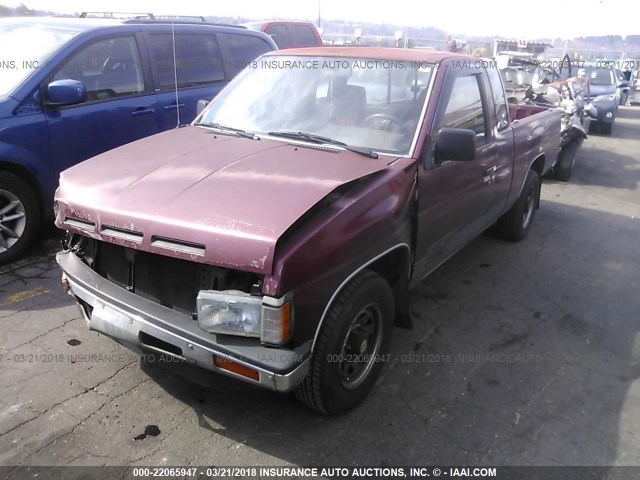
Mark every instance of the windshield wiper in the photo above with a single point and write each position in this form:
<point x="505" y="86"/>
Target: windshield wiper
<point x="226" y="128"/>
<point x="313" y="138"/>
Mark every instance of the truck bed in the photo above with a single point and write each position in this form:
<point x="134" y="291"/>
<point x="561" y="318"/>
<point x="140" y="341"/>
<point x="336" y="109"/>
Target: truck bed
<point x="536" y="135"/>
<point x="518" y="111"/>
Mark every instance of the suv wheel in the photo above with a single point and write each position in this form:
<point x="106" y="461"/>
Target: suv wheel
<point x="19" y="217"/>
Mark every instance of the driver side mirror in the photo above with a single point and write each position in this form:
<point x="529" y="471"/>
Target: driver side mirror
<point x="66" y="92"/>
<point x="455" y="144"/>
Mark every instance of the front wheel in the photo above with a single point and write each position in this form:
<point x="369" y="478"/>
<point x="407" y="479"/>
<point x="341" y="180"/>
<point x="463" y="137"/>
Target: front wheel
<point x="515" y="224"/>
<point x="19" y="217"/>
<point x="350" y="346"/>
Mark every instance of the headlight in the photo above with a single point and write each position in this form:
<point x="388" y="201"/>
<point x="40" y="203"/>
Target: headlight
<point x="604" y="98"/>
<point x="233" y="312"/>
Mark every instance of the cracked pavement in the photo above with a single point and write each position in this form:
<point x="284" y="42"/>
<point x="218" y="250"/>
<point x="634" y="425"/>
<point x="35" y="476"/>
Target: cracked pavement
<point x="521" y="354"/>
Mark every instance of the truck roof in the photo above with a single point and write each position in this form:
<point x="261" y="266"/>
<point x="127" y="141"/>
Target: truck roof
<point x="380" y="53"/>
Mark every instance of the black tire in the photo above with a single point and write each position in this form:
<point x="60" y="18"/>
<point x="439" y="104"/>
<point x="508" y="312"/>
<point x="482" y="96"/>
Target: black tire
<point x="516" y="223"/>
<point x="20" y="217"/>
<point x="564" y="167"/>
<point x="606" y="128"/>
<point x="329" y="388"/>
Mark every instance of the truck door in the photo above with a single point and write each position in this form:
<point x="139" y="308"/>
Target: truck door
<point x="457" y="200"/>
<point x="119" y="107"/>
<point x="501" y="154"/>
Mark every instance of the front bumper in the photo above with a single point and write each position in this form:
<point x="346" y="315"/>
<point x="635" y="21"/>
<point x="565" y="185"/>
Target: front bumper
<point x="140" y="325"/>
<point x="606" y="111"/>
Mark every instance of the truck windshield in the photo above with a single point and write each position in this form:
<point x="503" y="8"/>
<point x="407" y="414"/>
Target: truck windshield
<point x="365" y="103"/>
<point x="24" y="47"/>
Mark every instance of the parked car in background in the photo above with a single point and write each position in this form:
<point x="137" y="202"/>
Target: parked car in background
<point x="289" y="34"/>
<point x="635" y="98"/>
<point x="624" y="86"/>
<point x="283" y="251"/>
<point x="635" y="95"/>
<point x="605" y="95"/>
<point x="530" y="81"/>
<point x="73" y="88"/>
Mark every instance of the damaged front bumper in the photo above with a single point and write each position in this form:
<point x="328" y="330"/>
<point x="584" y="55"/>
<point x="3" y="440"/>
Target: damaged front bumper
<point x="142" y="325"/>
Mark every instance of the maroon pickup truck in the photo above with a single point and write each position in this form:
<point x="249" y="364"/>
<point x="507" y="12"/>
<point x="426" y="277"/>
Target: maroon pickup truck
<point x="276" y="239"/>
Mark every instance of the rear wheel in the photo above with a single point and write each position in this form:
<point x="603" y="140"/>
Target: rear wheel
<point x="516" y="223"/>
<point x="353" y="339"/>
<point x="564" y="166"/>
<point x="19" y="217"/>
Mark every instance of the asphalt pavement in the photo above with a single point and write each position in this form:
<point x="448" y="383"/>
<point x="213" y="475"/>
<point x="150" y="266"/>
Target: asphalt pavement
<point x="522" y="354"/>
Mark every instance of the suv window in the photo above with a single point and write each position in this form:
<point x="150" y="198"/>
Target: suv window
<point x="108" y="68"/>
<point x="198" y="60"/>
<point x="499" y="100"/>
<point x="280" y="35"/>
<point x="242" y="49"/>
<point x="600" y="76"/>
<point x="302" y="36"/>
<point x="464" y="106"/>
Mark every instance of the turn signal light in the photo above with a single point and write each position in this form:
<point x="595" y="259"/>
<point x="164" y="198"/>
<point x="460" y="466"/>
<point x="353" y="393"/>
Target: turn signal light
<point x="276" y="324"/>
<point x="235" y="367"/>
<point x="64" y="283"/>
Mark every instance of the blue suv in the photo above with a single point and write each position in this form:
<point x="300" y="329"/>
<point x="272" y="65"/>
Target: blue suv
<point x="73" y="88"/>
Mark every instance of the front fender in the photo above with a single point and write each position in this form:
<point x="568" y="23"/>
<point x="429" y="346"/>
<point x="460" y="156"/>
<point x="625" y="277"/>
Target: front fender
<point x="357" y="229"/>
<point x="24" y="146"/>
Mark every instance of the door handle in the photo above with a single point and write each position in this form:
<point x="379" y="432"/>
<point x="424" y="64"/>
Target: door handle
<point x="490" y="170"/>
<point x="173" y="106"/>
<point x="138" y="112"/>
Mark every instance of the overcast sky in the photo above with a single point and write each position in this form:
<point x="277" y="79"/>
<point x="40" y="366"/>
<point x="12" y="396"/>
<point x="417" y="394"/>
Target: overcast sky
<point x="512" y="18"/>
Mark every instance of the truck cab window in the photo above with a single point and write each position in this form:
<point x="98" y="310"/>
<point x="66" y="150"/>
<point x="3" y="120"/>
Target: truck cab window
<point x="280" y="35"/>
<point x="464" y="107"/>
<point x="499" y="99"/>
<point x="302" y="36"/>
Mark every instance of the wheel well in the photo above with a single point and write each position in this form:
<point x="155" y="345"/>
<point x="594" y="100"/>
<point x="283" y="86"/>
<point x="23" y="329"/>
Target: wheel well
<point x="538" y="165"/>
<point x="394" y="268"/>
<point x="27" y="176"/>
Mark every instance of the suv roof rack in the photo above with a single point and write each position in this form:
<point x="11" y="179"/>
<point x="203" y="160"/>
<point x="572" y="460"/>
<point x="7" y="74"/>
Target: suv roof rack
<point x="188" y="18"/>
<point x="171" y="20"/>
<point x="132" y="17"/>
<point x="113" y="15"/>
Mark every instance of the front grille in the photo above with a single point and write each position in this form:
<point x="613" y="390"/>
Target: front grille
<point x="168" y="281"/>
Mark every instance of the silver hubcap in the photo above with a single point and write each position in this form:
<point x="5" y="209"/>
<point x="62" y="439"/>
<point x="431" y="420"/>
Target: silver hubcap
<point x="361" y="346"/>
<point x="528" y="208"/>
<point x="12" y="220"/>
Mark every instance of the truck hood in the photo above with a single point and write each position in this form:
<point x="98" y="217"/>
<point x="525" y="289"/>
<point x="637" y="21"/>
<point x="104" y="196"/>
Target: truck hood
<point x="196" y="194"/>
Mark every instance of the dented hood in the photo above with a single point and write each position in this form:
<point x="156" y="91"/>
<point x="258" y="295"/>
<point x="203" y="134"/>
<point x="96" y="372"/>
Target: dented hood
<point x="196" y="194"/>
